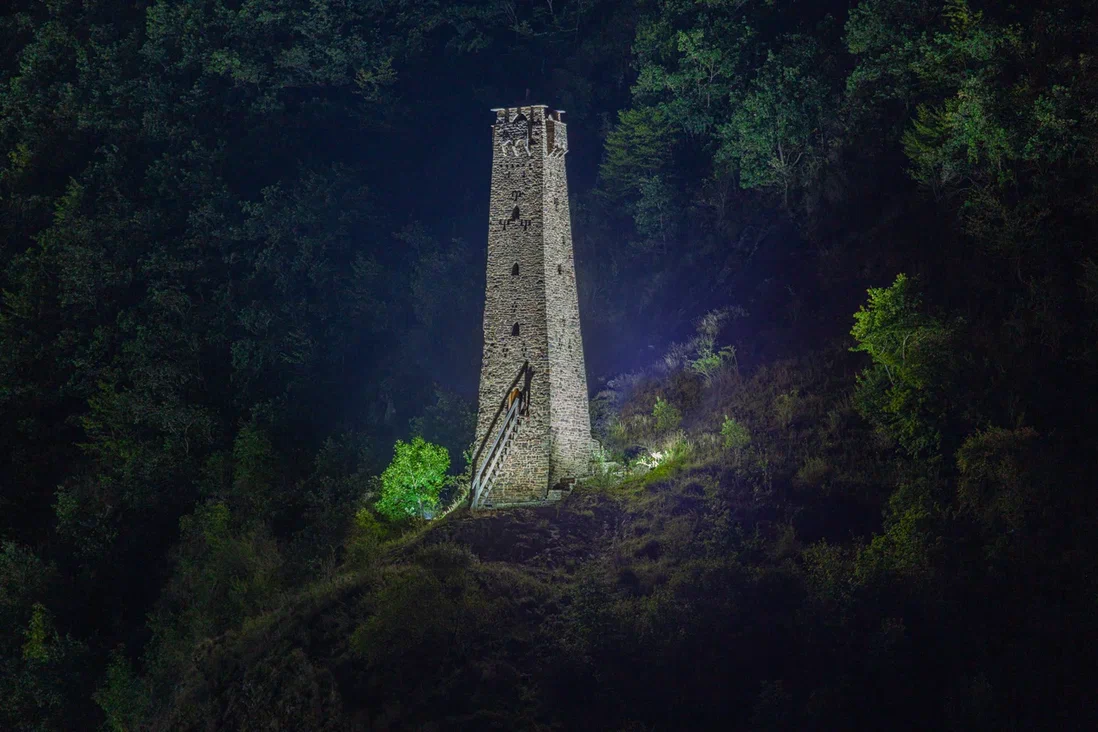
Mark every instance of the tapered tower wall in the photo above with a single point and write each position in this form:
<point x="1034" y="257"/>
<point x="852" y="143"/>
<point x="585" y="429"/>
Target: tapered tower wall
<point x="570" y="421"/>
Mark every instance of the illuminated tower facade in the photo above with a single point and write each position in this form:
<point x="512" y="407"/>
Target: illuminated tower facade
<point x="533" y="425"/>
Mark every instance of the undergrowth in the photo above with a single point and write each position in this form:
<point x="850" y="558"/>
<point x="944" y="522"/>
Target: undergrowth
<point x="756" y="560"/>
<point x="677" y="556"/>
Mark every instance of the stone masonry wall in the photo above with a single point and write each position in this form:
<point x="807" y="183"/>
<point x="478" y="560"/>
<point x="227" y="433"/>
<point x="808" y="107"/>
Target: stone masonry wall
<point x="570" y="423"/>
<point x="531" y="285"/>
<point x="512" y="299"/>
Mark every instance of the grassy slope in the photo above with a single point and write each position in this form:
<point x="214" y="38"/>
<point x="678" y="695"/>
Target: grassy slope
<point x="680" y="598"/>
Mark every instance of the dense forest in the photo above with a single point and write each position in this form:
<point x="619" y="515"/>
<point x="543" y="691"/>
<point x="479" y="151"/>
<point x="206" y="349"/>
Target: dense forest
<point x="838" y="273"/>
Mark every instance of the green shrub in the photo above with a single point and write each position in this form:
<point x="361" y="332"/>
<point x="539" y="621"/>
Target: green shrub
<point x="677" y="447"/>
<point x="616" y="435"/>
<point x="122" y="697"/>
<point x="903" y="394"/>
<point x="40" y="686"/>
<point x="254" y="475"/>
<point x="786" y="408"/>
<point x="341" y="480"/>
<point x="813" y="472"/>
<point x="413" y="480"/>
<point x="996" y="484"/>
<point x="364" y="538"/>
<point x="700" y="353"/>
<point x="734" y="435"/>
<point x="906" y="550"/>
<point x="667" y="416"/>
<point x="710" y="362"/>
<point x="604" y="472"/>
<point x="223" y="575"/>
<point x="829" y="574"/>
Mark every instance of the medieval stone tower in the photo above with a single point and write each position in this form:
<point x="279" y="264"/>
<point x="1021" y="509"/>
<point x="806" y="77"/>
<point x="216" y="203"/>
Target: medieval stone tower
<point x="533" y="427"/>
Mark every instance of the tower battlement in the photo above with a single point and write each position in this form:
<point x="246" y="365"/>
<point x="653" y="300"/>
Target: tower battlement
<point x="516" y="128"/>
<point x="531" y="316"/>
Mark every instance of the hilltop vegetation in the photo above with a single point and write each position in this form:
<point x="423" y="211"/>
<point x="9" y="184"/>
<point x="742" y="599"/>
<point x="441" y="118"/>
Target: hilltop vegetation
<point x="743" y="581"/>
<point x="239" y="261"/>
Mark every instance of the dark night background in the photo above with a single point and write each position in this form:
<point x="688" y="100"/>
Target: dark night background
<point x="837" y="270"/>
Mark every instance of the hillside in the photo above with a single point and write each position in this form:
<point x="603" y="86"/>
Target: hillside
<point x="733" y="586"/>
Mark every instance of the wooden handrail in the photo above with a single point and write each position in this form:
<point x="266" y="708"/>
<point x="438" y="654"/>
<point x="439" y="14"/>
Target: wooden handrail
<point x="494" y="452"/>
<point x="524" y="370"/>
<point x="513" y="411"/>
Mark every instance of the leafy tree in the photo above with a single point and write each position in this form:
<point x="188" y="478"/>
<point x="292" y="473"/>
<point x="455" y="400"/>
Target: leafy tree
<point x="903" y="392"/>
<point x="343" y="475"/>
<point x="36" y="697"/>
<point x="411" y="484"/>
<point x="710" y="362"/>
<point x="254" y="475"/>
<point x="224" y="572"/>
<point x="637" y="149"/>
<point x="122" y="697"/>
<point x="36" y="662"/>
<point x="776" y="136"/>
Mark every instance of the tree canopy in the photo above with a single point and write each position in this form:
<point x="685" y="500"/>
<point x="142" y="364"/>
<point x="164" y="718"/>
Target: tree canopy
<point x="411" y="484"/>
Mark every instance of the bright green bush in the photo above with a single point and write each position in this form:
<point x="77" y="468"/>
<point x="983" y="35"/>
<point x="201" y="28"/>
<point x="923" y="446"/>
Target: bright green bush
<point x="677" y="447"/>
<point x="413" y="480"/>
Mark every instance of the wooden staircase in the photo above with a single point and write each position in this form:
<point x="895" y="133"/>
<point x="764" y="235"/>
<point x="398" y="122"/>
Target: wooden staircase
<point x="491" y="455"/>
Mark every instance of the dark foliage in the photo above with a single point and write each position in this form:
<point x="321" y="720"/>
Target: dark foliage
<point x="239" y="259"/>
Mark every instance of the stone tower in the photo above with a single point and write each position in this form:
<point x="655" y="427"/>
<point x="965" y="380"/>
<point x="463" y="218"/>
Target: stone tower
<point x="531" y="318"/>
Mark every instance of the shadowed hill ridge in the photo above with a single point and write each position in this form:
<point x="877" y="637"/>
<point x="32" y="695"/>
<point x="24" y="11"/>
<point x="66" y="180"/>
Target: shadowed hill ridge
<point x="743" y="580"/>
<point x="697" y="594"/>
